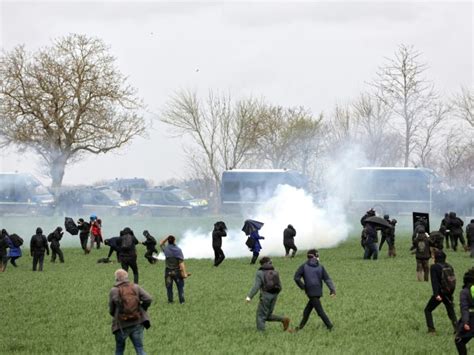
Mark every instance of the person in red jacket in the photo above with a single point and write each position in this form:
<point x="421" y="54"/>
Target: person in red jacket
<point x="96" y="231"/>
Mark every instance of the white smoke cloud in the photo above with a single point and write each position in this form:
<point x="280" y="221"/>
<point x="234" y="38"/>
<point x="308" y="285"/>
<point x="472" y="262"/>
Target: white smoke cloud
<point x="315" y="227"/>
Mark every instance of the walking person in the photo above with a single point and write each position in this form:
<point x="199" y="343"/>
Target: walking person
<point x="128" y="252"/>
<point x="465" y="326"/>
<point x="150" y="244"/>
<point x="55" y="246"/>
<point x="14" y="244"/>
<point x="313" y="275"/>
<point x="267" y="281"/>
<point x="455" y="225"/>
<point x="84" y="231"/>
<point x="289" y="241"/>
<point x="371" y="250"/>
<point x="38" y="246"/>
<point x="128" y="304"/>
<point x="421" y="249"/>
<point x="175" y="271"/>
<point x="96" y="231"/>
<point x="443" y="283"/>
<point x="256" y="246"/>
<point x="220" y="231"/>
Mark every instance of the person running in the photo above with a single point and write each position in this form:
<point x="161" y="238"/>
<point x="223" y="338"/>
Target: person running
<point x="313" y="275"/>
<point x="128" y="304"/>
<point x="38" y="246"/>
<point x="289" y="241"/>
<point x="267" y="281"/>
<point x="150" y="244"/>
<point x="442" y="278"/>
<point x="465" y="326"/>
<point x="220" y="231"/>
<point x="175" y="271"/>
<point x="128" y="252"/>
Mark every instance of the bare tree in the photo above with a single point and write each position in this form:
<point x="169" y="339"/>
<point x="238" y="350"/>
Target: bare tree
<point x="379" y="141"/>
<point x="223" y="132"/>
<point x="66" y="100"/>
<point x="464" y="105"/>
<point x="400" y="85"/>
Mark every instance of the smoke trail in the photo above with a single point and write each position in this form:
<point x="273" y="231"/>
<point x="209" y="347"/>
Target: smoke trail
<point x="315" y="227"/>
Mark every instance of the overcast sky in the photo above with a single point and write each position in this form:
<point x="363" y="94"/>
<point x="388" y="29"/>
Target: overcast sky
<point x="312" y="54"/>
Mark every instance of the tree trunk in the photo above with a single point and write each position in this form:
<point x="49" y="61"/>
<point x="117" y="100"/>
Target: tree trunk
<point x="57" y="168"/>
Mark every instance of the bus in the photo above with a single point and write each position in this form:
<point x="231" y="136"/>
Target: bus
<point x="393" y="190"/>
<point x="242" y="189"/>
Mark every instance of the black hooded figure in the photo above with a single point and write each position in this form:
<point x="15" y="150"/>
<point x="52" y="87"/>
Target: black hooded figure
<point x="54" y="239"/>
<point x="128" y="252"/>
<point x="455" y="227"/>
<point x="289" y="240"/>
<point x="465" y="326"/>
<point x="38" y="246"/>
<point x="220" y="230"/>
<point x="150" y="244"/>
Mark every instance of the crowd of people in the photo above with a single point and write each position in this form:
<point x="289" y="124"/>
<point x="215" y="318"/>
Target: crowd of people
<point x="128" y="302"/>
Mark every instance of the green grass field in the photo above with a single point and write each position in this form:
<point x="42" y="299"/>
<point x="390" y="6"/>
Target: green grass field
<point x="378" y="308"/>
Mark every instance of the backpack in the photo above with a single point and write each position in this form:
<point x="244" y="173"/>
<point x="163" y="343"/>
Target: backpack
<point x="129" y="303"/>
<point x="271" y="282"/>
<point x="250" y="243"/>
<point x="421" y="245"/>
<point x="17" y="241"/>
<point x="448" y="279"/>
<point x="127" y="242"/>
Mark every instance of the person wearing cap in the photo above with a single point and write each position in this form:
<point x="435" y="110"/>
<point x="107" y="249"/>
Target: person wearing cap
<point x="313" y="275"/>
<point x="439" y="295"/>
<point x="268" y="297"/>
<point x="289" y="241"/>
<point x="465" y="327"/>
<point x="124" y="327"/>
<point x="38" y="246"/>
<point x="421" y="249"/>
<point x="84" y="228"/>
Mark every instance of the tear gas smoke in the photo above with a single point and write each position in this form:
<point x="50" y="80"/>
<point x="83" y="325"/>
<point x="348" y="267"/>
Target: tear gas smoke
<point x="315" y="227"/>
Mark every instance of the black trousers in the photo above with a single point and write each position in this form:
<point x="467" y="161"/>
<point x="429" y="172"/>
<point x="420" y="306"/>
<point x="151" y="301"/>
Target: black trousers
<point x="288" y="247"/>
<point x="218" y="255"/>
<point x="132" y="263"/>
<point x="38" y="258"/>
<point x="84" y="238"/>
<point x="431" y="306"/>
<point x="56" y="251"/>
<point x="315" y="303"/>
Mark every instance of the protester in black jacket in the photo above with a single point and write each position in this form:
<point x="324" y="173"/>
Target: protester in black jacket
<point x="439" y="295"/>
<point x="128" y="252"/>
<point x="38" y="246"/>
<point x="313" y="275"/>
<point x="3" y="250"/>
<point x="444" y="224"/>
<point x="54" y="239"/>
<point x="369" y="242"/>
<point x="289" y="240"/>
<point x="455" y="225"/>
<point x="84" y="228"/>
<point x="220" y="230"/>
<point x="113" y="247"/>
<point x="470" y="236"/>
<point x="150" y="244"/>
<point x="421" y="249"/>
<point x="465" y="327"/>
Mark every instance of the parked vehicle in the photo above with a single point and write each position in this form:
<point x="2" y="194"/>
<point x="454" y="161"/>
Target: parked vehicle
<point x="128" y="188"/>
<point x="170" y="201"/>
<point x="23" y="194"/>
<point x="98" y="200"/>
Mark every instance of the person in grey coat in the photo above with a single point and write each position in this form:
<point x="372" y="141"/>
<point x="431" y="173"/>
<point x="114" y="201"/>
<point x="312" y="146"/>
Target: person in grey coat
<point x="268" y="298"/>
<point x="133" y="328"/>
<point x="313" y="275"/>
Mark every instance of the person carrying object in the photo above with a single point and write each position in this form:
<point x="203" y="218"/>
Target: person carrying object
<point x="128" y="252"/>
<point x="175" y="270"/>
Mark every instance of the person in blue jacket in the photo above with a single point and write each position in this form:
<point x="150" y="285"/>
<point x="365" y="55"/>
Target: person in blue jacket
<point x="313" y="275"/>
<point x="256" y="246"/>
<point x="14" y="252"/>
